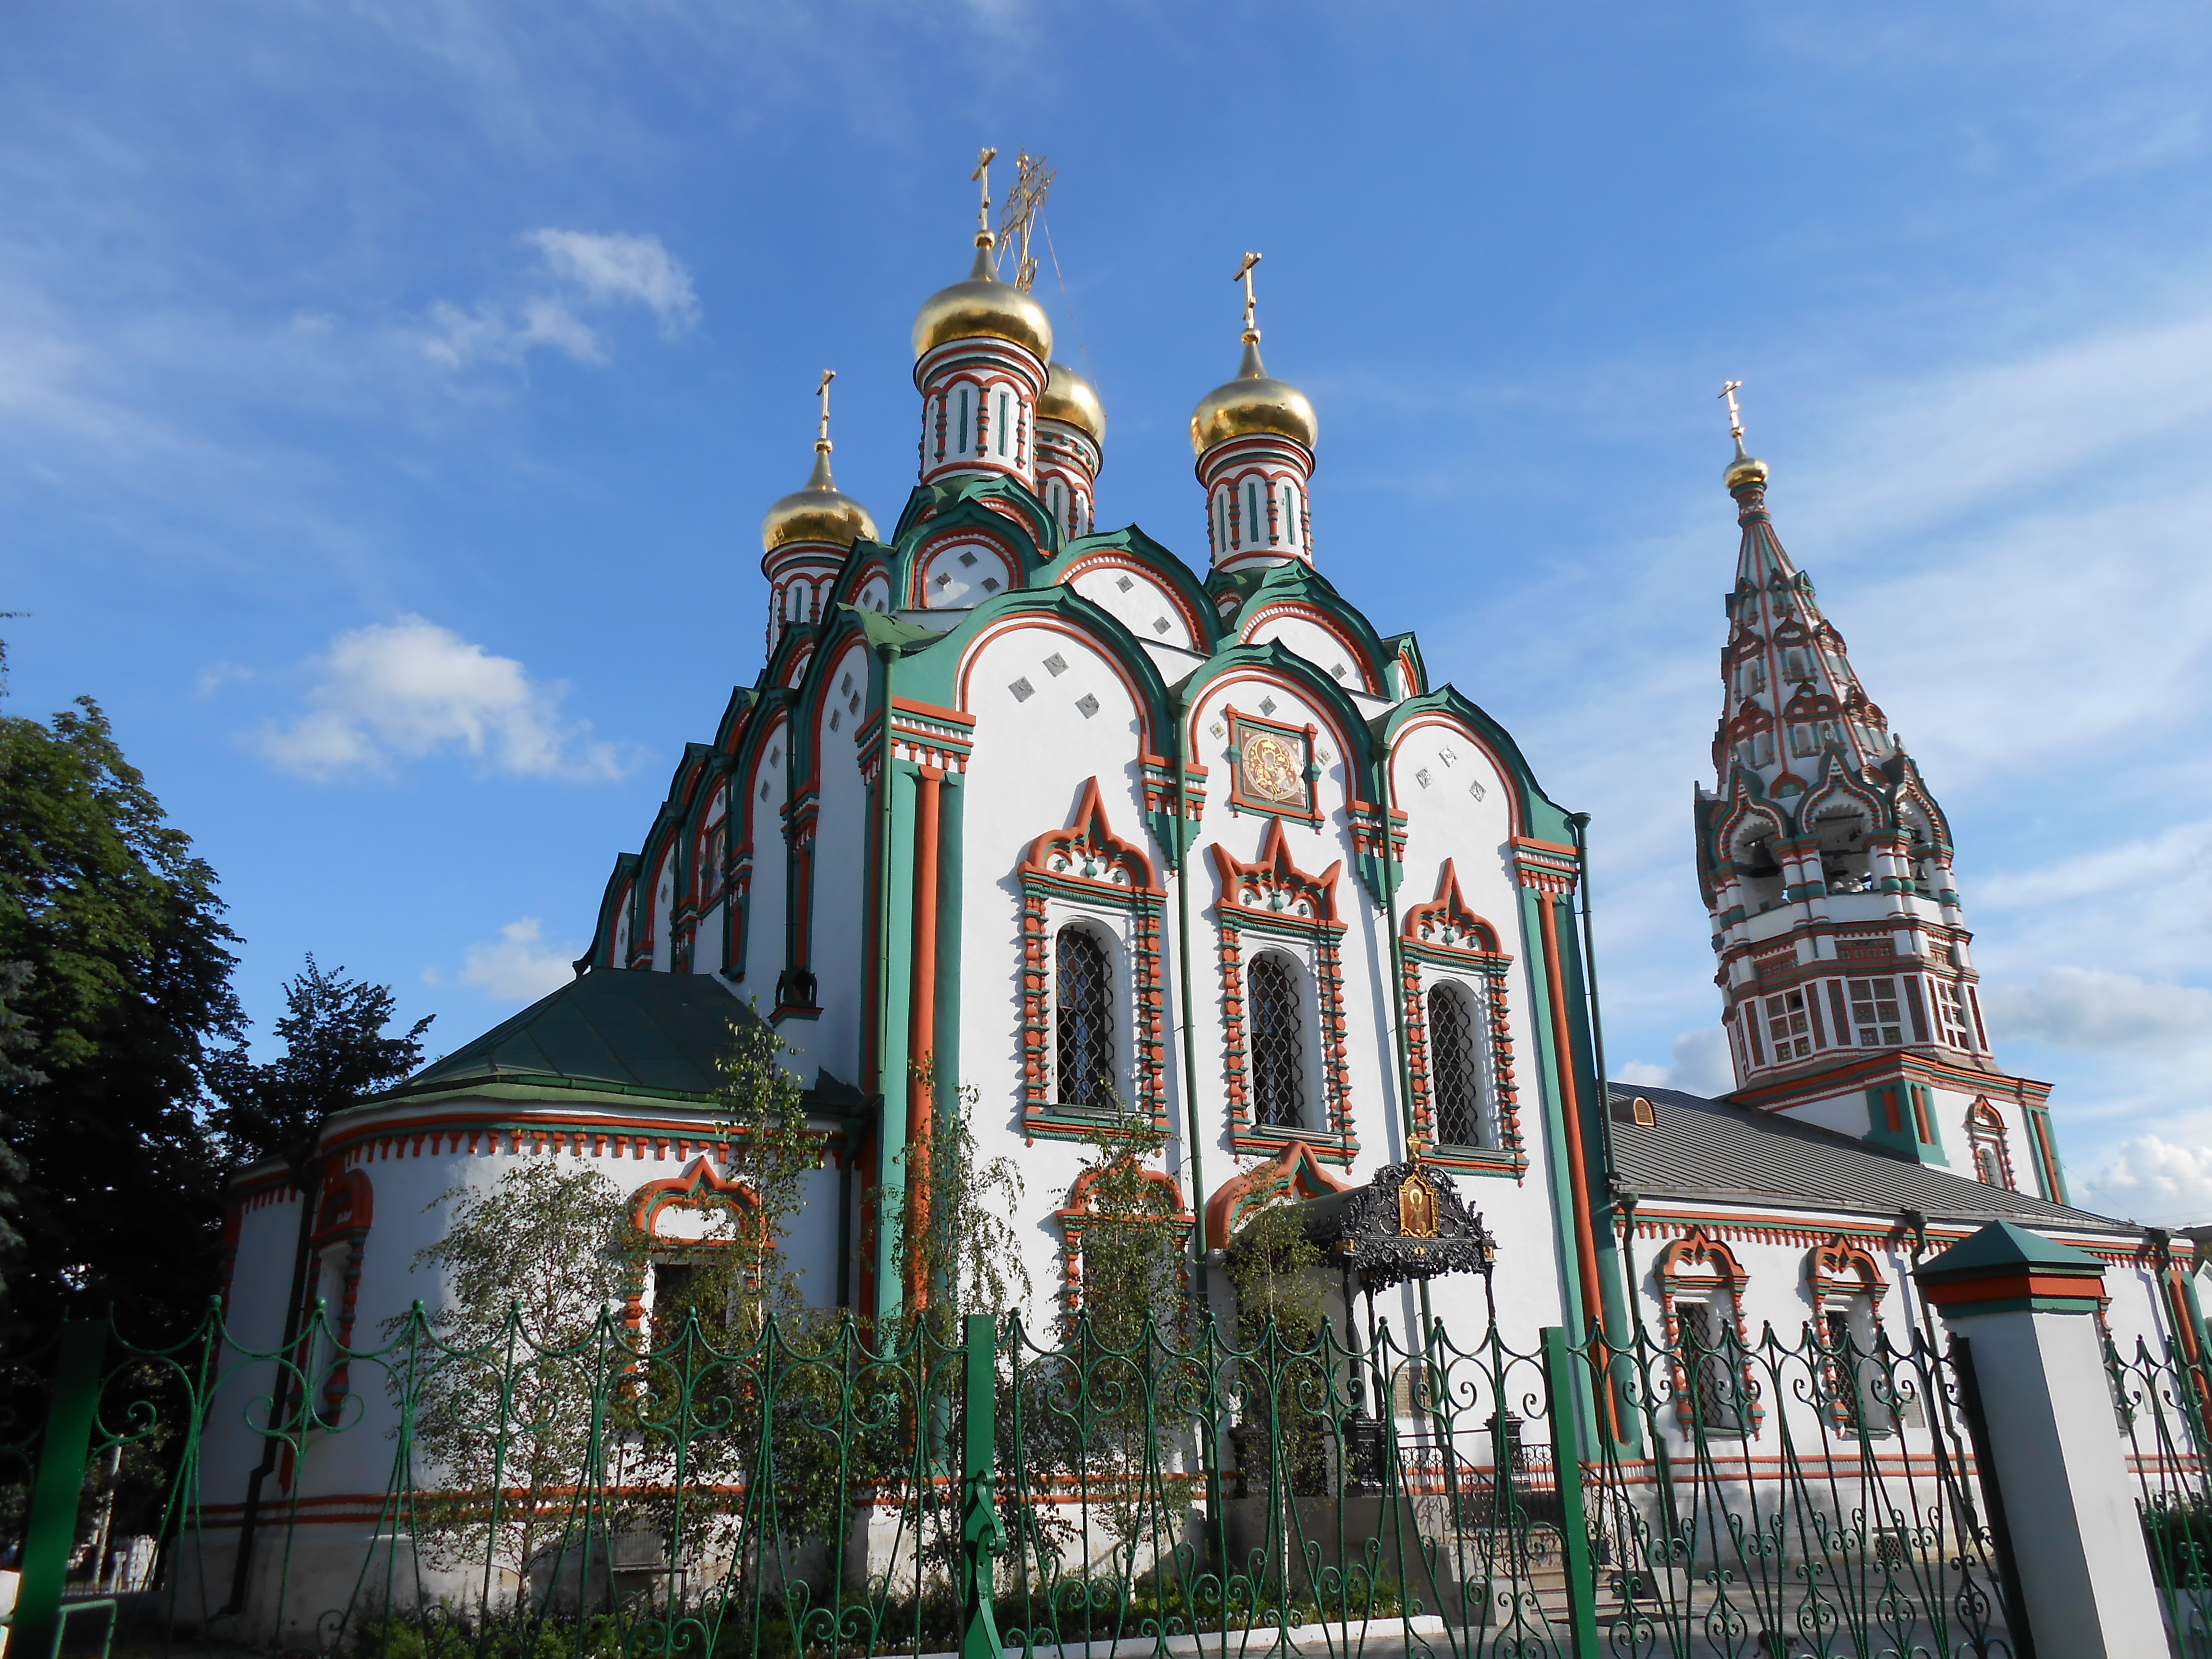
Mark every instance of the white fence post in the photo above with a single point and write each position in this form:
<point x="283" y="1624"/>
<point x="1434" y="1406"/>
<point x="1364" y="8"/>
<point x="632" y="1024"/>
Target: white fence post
<point x="2023" y="1302"/>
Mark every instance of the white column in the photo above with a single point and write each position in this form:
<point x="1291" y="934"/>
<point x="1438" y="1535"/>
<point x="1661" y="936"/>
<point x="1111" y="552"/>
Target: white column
<point x="2024" y="1305"/>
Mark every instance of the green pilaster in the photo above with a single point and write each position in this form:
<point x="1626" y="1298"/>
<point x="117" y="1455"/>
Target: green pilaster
<point x="952" y="818"/>
<point x="1554" y="1114"/>
<point x="897" y="974"/>
<point x="1597" y="1143"/>
<point x="2050" y="1172"/>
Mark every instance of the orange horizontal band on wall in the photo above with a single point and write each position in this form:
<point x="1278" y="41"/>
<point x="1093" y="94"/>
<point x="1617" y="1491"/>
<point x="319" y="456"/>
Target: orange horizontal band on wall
<point x="2078" y="1287"/>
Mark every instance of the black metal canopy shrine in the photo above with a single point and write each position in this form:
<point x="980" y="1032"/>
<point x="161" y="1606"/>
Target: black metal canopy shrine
<point x="1408" y="1222"/>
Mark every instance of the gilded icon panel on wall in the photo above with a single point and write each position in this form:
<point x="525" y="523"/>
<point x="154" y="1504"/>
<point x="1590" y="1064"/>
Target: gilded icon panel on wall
<point x="1271" y="767"/>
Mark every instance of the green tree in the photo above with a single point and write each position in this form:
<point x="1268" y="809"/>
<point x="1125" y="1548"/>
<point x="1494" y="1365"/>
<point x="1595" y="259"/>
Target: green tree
<point x="16" y="1038"/>
<point x="507" y="1374"/>
<point x="337" y="1054"/>
<point x="127" y="995"/>
<point x="950" y="1215"/>
<point x="1134" y="1260"/>
<point x="1283" y="1381"/>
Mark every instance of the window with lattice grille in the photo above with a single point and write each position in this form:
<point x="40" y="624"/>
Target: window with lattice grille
<point x="1278" y="1044"/>
<point x="1455" y="1068"/>
<point x="1083" y="1016"/>
<point x="1950" y="1013"/>
<point x="1873" y="1013"/>
<point x="1788" y="1026"/>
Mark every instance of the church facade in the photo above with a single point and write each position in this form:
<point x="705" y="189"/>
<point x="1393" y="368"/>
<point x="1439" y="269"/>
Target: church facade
<point x="1041" y="808"/>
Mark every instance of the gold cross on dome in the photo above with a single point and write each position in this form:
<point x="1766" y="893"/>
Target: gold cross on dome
<point x="1244" y="275"/>
<point x="823" y="392"/>
<point x="1736" y="415"/>
<point x="982" y="174"/>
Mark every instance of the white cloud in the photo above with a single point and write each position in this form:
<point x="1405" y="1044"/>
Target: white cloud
<point x="519" y="967"/>
<point x="2094" y="1008"/>
<point x="2152" y="1180"/>
<point x="609" y="267"/>
<point x="402" y="690"/>
<point x="491" y="335"/>
<point x="1701" y="1066"/>
<point x="590" y="271"/>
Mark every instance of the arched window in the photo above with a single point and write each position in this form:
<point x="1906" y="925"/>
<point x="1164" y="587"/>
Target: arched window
<point x="1455" y="1068"/>
<point x="1279" y="1043"/>
<point x="1084" y="1017"/>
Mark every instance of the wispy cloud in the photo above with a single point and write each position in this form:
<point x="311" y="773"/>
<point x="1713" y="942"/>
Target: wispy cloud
<point x="1701" y="1065"/>
<point x="518" y="966"/>
<point x="2099" y="1011"/>
<point x="613" y="268"/>
<point x="400" y="691"/>
<point x="585" y="270"/>
<point x="2151" y="1179"/>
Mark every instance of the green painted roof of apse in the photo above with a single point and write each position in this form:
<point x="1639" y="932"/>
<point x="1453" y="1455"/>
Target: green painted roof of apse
<point x="612" y="1030"/>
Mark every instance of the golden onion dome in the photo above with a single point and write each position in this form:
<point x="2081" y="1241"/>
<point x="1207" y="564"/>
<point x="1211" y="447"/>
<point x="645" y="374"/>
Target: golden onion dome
<point x="1069" y="397"/>
<point x="982" y="307"/>
<point x="1744" y="469"/>
<point x="819" y="512"/>
<point x="1252" y="402"/>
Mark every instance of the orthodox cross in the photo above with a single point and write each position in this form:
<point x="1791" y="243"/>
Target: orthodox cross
<point x="1033" y="178"/>
<point x="1244" y="275"/>
<point x="1736" y="415"/>
<point x="823" y="392"/>
<point x="982" y="174"/>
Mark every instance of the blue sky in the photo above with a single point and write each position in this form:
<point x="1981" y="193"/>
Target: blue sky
<point x="389" y="395"/>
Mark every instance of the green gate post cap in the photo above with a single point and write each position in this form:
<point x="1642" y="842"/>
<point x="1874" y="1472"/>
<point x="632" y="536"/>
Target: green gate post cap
<point x="2004" y="1267"/>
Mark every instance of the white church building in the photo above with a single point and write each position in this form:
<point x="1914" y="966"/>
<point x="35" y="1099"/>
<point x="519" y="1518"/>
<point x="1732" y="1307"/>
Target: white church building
<point x="1074" y="819"/>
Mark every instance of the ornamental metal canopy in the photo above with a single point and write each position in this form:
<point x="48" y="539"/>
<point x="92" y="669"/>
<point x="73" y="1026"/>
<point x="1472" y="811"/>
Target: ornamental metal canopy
<point x="1408" y="1222"/>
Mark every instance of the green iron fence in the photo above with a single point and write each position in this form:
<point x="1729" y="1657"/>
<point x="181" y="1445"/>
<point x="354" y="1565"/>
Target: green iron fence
<point x="984" y="1488"/>
<point x="2161" y="1401"/>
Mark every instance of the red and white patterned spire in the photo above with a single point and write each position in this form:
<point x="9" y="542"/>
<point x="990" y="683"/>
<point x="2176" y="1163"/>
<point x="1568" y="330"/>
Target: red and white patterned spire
<point x="1826" y="863"/>
<point x="1790" y="694"/>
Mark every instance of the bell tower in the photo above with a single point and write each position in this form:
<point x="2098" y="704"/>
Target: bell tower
<point x="1848" y="987"/>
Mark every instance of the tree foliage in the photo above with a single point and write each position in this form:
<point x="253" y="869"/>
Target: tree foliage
<point x="949" y="1211"/>
<point x="124" y="987"/>
<point x="1133" y="1256"/>
<point x="506" y="1399"/>
<point x="337" y="1054"/>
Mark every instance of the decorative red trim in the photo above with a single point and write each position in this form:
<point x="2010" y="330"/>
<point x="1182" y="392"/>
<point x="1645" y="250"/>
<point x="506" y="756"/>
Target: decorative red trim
<point x="1272" y="887"/>
<point x="1090" y="863"/>
<point x="1694" y="1262"/>
<point x="1445" y="933"/>
<point x="1076" y="1211"/>
<point x="1251" y="622"/>
<point x="1446" y="923"/>
<point x="1295" y="1169"/>
<point x="1272" y="895"/>
<point x="1051" y="623"/>
<point x="648" y="1202"/>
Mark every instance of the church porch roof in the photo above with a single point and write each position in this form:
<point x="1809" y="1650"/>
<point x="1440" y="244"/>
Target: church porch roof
<point x="1709" y="1150"/>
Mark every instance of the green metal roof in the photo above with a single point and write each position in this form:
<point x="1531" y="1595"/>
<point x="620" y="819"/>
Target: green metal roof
<point x="2002" y="1245"/>
<point x="612" y="1030"/>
